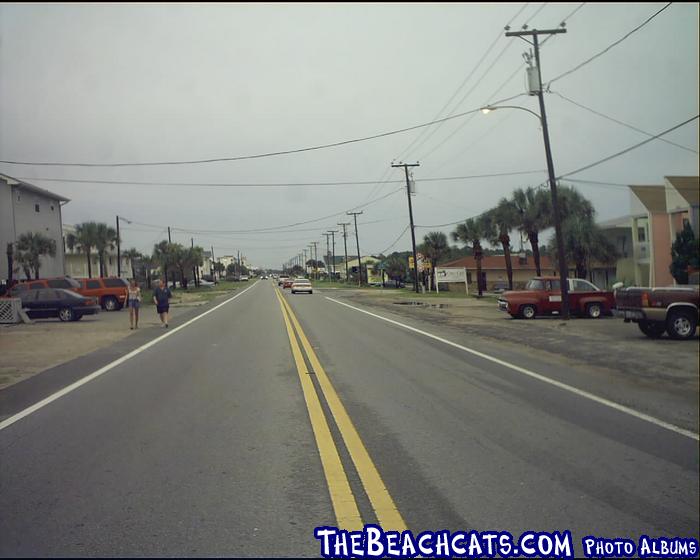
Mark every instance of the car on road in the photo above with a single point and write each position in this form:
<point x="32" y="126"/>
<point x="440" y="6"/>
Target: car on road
<point x="281" y="280"/>
<point x="302" y="285"/>
<point x="64" y="304"/>
<point x="673" y="310"/>
<point x="542" y="296"/>
<point x="287" y="282"/>
<point x="111" y="292"/>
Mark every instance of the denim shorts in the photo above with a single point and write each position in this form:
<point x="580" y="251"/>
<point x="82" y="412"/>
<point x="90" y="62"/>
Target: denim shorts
<point x="134" y="303"/>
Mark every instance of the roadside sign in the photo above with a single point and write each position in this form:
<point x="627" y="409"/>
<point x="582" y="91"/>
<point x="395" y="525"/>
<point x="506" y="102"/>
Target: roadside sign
<point x="451" y="275"/>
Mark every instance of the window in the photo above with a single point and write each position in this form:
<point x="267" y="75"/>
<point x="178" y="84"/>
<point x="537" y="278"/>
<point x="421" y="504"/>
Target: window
<point x="46" y="295"/>
<point x="553" y="286"/>
<point x="641" y="233"/>
<point x="59" y="283"/>
<point x="535" y="285"/>
<point x="115" y="283"/>
<point x="36" y="208"/>
<point x="580" y="285"/>
<point x="36" y="286"/>
<point x="27" y="296"/>
<point x="93" y="284"/>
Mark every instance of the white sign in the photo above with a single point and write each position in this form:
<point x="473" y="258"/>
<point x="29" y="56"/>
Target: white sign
<point x="450" y="274"/>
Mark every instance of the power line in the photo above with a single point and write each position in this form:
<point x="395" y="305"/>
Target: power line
<point x="594" y="164"/>
<point x="240" y="158"/>
<point x="621" y="122"/>
<point x="390" y="247"/>
<point x="534" y="14"/>
<point x="407" y="150"/>
<point x="326" y="183"/>
<point x="606" y="49"/>
<point x="563" y="22"/>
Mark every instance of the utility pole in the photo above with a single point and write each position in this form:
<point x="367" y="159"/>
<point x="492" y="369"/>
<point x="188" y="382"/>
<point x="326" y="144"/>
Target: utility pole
<point x="169" y="239"/>
<point x="410" y="215"/>
<point x="357" y="239"/>
<point x="561" y="257"/>
<point x="345" y="242"/>
<point x="119" y="253"/>
<point x="305" y="261"/>
<point x="328" y="251"/>
<point x="213" y="265"/>
<point x="333" y="232"/>
<point x="314" y="244"/>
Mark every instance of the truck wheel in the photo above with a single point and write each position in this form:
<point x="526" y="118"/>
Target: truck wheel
<point x="594" y="310"/>
<point x="681" y="324"/>
<point x="110" y="303"/>
<point x="528" y="311"/>
<point x="652" y="329"/>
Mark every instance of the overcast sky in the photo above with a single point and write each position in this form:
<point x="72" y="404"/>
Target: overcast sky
<point x="127" y="83"/>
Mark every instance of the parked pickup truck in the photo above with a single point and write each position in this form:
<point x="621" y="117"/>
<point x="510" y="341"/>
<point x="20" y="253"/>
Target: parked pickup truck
<point x="542" y="296"/>
<point x="673" y="310"/>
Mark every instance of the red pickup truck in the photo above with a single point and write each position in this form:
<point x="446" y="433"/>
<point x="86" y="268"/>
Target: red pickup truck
<point x="542" y="296"/>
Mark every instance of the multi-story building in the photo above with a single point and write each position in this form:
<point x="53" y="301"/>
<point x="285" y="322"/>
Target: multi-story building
<point x="76" y="261"/>
<point x="26" y="208"/>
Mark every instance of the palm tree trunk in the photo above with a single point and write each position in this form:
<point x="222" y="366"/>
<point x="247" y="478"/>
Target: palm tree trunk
<point x="89" y="259"/>
<point x="505" y="241"/>
<point x="534" y="238"/>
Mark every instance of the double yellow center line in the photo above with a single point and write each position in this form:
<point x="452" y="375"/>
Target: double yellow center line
<point x="344" y="503"/>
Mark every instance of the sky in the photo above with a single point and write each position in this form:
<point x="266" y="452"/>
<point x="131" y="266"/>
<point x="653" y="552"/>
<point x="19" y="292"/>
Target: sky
<point x="138" y="83"/>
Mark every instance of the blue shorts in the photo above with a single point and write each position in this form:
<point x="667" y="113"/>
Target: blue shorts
<point x="163" y="308"/>
<point x="134" y="303"/>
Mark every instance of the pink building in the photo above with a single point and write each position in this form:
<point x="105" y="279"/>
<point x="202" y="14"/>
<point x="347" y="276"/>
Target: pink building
<point x="658" y="213"/>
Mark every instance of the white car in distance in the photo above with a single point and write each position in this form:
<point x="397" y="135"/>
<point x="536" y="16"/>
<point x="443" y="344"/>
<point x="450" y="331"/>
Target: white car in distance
<point x="302" y="285"/>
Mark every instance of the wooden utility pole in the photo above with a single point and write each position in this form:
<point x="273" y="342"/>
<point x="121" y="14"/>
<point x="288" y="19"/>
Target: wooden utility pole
<point x="561" y="256"/>
<point x="357" y="239"/>
<point x="344" y="225"/>
<point x="410" y="215"/>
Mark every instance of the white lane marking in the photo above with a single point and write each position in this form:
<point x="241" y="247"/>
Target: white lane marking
<point x="73" y="386"/>
<point x="559" y="384"/>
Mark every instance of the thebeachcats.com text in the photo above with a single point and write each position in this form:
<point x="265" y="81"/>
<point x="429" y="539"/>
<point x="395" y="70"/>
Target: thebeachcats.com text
<point x="373" y="542"/>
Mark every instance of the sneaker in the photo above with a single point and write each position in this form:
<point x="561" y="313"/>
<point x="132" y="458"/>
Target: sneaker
<point x="166" y="325"/>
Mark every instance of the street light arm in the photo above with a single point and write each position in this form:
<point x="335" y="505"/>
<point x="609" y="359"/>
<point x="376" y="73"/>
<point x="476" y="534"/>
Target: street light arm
<point x="490" y="108"/>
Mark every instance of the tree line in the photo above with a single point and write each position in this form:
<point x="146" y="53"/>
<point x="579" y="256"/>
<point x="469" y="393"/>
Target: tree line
<point x="528" y="211"/>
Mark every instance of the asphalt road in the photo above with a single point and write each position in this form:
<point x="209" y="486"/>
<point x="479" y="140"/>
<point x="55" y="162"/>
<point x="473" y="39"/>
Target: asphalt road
<point x="209" y="443"/>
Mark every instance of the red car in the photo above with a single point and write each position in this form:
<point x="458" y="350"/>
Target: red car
<point x="287" y="283"/>
<point x="542" y="296"/>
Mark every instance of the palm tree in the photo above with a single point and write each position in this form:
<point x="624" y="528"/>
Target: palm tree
<point x="583" y="239"/>
<point x="471" y="232"/>
<point x="499" y="222"/>
<point x="435" y="247"/>
<point x="84" y="240"/>
<point x="534" y="208"/>
<point x="162" y="254"/>
<point x="133" y="254"/>
<point x="30" y="248"/>
<point x="106" y="238"/>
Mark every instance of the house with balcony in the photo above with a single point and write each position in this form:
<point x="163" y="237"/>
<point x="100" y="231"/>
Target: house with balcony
<point x="644" y="238"/>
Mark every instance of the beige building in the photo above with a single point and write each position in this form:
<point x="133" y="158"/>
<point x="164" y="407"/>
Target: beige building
<point x="76" y="261"/>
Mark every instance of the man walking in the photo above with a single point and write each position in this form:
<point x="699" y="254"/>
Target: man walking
<point x="161" y="297"/>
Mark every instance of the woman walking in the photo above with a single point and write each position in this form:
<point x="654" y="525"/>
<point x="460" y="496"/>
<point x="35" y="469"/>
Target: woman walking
<point x="134" y="303"/>
<point x="161" y="297"/>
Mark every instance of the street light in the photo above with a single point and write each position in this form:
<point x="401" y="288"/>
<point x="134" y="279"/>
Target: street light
<point x="563" y="273"/>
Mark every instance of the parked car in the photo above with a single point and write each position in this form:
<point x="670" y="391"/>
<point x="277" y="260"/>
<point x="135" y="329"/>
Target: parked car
<point x="245" y="278"/>
<point x="60" y="282"/>
<point x="542" y="296"/>
<point x="64" y="304"/>
<point x="673" y="310"/>
<point x="302" y="285"/>
<point x="111" y="293"/>
<point x="287" y="282"/>
<point x="281" y="279"/>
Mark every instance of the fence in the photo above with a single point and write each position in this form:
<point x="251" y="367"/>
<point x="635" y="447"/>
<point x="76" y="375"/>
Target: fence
<point x="10" y="310"/>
